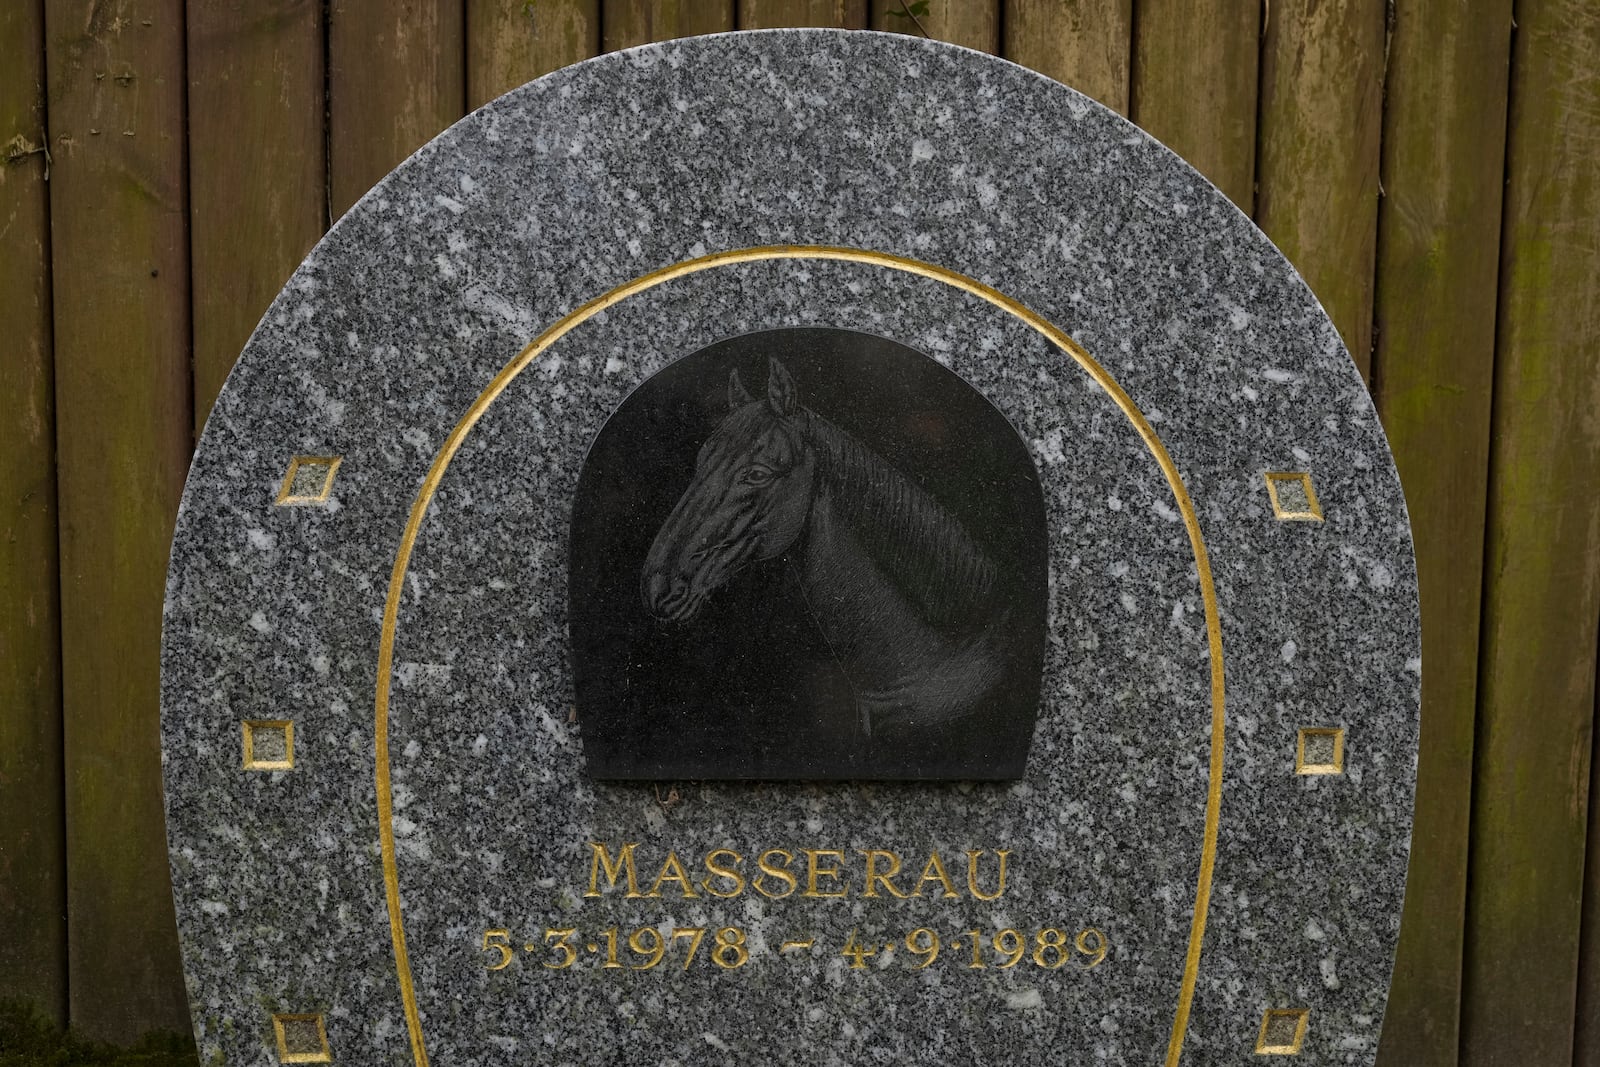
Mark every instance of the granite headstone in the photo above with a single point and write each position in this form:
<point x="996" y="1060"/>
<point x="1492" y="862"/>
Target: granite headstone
<point x="799" y="547"/>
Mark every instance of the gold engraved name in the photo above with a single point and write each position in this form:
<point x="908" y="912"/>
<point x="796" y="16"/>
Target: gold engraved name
<point x="814" y="873"/>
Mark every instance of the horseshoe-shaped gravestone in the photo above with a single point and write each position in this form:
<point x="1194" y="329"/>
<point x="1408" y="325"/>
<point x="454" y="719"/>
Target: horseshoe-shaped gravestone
<point x="796" y="547"/>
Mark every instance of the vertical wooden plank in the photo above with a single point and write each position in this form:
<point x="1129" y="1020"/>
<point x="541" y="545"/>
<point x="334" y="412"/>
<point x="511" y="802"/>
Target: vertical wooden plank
<point x="33" y="949"/>
<point x="1542" y="559"/>
<point x="121" y="317"/>
<point x="1319" y="121"/>
<point x="770" y="14"/>
<point x="509" y="44"/>
<point x="1086" y="44"/>
<point x="1194" y="85"/>
<point x="634" y="22"/>
<point x="395" y="79"/>
<point x="257" y="168"/>
<point x="972" y="23"/>
<point x="1433" y="377"/>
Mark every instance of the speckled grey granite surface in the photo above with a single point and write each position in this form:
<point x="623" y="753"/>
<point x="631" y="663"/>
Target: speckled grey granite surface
<point x="601" y="173"/>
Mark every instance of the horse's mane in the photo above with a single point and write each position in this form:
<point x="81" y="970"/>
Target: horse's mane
<point x="919" y="545"/>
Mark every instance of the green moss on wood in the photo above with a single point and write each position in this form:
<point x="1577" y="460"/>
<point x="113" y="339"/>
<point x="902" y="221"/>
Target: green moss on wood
<point x="28" y="1039"/>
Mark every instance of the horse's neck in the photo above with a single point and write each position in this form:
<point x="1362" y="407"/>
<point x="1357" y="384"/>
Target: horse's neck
<point x="862" y="615"/>
<point x="914" y="543"/>
<point x="901" y="668"/>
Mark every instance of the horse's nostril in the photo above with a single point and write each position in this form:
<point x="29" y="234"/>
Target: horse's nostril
<point x="666" y="593"/>
<point x="666" y="596"/>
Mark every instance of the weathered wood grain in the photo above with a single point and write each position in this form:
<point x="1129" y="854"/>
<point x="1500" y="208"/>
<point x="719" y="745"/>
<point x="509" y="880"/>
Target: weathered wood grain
<point x="627" y="23"/>
<point x="33" y="945"/>
<point x="395" y="79"/>
<point x="1542" y="560"/>
<point x="972" y="23"/>
<point x="257" y="168"/>
<point x="1194" y="86"/>
<point x="120" y="272"/>
<point x="1433" y="379"/>
<point x="1319" y="120"/>
<point x="769" y="14"/>
<point x="509" y="43"/>
<point x="1086" y="44"/>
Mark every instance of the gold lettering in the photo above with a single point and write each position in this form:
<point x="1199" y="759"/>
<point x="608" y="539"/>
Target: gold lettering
<point x="777" y="872"/>
<point x="825" y="874"/>
<point x="672" y="871"/>
<point x="603" y="863"/>
<point x="730" y="873"/>
<point x="972" y="874"/>
<point x="813" y="872"/>
<point x="873" y="856"/>
<point x="935" y="872"/>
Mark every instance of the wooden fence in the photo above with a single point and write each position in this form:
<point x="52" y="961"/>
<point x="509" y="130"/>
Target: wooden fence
<point x="1432" y="167"/>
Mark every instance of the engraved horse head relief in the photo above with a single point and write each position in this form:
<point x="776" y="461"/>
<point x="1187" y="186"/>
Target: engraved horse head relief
<point x="905" y="598"/>
<point x="839" y="575"/>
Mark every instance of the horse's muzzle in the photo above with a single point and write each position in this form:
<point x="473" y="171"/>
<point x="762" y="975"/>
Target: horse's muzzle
<point x="667" y="598"/>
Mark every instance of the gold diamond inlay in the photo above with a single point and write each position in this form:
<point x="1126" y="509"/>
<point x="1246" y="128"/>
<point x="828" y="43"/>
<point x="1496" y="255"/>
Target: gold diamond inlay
<point x="308" y="481"/>
<point x="1320" y="750"/>
<point x="1283" y="1032"/>
<point x="1294" y="499"/>
<point x="301" y="1039"/>
<point x="268" y="744"/>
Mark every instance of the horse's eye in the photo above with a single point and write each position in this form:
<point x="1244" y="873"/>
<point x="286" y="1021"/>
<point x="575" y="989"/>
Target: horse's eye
<point x="758" y="476"/>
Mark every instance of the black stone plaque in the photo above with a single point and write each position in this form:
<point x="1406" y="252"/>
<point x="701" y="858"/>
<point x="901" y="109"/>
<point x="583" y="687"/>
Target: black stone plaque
<point x="807" y="553"/>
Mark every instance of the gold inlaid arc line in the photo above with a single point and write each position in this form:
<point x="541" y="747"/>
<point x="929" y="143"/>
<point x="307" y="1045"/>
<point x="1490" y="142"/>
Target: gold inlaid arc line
<point x="452" y="445"/>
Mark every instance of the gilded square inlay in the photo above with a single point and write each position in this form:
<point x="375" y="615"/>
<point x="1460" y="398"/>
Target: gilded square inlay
<point x="268" y="745"/>
<point x="301" y="1039"/>
<point x="1283" y="1031"/>
<point x="1320" y="750"/>
<point x="1293" y="497"/>
<point x="308" y="481"/>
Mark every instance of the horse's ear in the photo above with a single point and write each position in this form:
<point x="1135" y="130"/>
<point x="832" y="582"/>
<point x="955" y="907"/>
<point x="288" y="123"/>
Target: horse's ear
<point x="780" y="389"/>
<point x="738" y="395"/>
